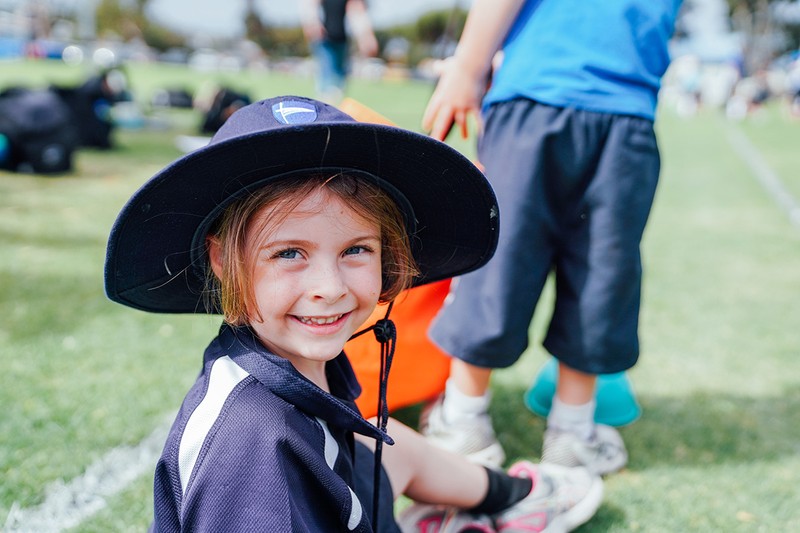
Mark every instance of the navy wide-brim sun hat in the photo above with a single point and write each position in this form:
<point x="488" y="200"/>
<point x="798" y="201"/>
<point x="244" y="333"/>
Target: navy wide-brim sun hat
<point x="156" y="258"/>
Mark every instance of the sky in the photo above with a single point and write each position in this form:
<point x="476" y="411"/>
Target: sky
<point x="223" y="18"/>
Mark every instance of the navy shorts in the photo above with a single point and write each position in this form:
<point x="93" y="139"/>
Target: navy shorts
<point x="574" y="189"/>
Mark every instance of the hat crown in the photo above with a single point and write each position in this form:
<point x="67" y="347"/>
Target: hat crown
<point x="278" y="113"/>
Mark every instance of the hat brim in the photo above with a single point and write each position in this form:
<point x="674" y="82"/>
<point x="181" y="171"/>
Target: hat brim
<point x="149" y="261"/>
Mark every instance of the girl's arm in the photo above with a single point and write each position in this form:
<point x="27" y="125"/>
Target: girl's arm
<point x="428" y="474"/>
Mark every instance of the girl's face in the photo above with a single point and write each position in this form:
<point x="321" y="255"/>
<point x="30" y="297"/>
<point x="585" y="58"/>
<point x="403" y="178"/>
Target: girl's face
<point x="317" y="278"/>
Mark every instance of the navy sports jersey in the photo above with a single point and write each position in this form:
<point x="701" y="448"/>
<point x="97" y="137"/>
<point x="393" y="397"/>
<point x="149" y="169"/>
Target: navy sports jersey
<point x="258" y="447"/>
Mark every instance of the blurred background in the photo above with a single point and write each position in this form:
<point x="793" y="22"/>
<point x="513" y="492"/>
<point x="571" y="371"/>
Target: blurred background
<point x="727" y="53"/>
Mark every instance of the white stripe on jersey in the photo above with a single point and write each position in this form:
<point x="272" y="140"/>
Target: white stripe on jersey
<point x="225" y="375"/>
<point x="331" y="453"/>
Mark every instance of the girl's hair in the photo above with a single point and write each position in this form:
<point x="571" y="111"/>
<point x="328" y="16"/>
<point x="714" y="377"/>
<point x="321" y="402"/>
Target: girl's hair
<point x="233" y="294"/>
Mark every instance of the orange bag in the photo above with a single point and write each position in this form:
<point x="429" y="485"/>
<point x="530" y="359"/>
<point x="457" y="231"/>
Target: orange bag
<point x="419" y="369"/>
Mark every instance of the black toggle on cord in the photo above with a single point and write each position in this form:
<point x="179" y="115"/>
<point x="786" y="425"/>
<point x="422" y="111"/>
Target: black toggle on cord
<point x="386" y="334"/>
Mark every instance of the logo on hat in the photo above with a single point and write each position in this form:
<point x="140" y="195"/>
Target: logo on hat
<point x="294" y="112"/>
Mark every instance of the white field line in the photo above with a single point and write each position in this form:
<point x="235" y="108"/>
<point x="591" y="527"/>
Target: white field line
<point x="764" y="174"/>
<point x="66" y="505"/>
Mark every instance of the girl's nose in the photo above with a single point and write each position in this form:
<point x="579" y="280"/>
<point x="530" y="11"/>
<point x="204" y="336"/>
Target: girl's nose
<point x="328" y="284"/>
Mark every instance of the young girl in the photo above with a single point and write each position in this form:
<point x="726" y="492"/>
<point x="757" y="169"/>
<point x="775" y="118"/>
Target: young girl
<point x="294" y="222"/>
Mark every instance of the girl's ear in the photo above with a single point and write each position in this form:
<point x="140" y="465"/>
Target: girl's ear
<point x="215" y="255"/>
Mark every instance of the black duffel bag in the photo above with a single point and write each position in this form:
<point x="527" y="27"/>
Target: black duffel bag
<point x="39" y="135"/>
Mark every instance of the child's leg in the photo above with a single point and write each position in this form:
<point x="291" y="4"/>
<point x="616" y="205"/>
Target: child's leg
<point x="429" y="474"/>
<point x="572" y="437"/>
<point x="573" y="405"/>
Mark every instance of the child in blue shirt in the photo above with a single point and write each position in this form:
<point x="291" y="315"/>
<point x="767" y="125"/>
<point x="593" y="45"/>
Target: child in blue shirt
<point x="569" y="146"/>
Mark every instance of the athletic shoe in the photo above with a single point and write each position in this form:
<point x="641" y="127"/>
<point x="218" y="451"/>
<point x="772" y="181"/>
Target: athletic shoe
<point x="423" y="518"/>
<point x="562" y="499"/>
<point x="472" y="437"/>
<point x="602" y="454"/>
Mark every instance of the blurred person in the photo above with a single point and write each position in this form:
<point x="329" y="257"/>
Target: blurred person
<point x="568" y="143"/>
<point x="327" y="25"/>
<point x="793" y="87"/>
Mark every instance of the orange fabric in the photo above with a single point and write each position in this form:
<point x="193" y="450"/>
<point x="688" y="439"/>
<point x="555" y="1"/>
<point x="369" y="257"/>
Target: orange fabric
<point x="362" y="113"/>
<point x="419" y="369"/>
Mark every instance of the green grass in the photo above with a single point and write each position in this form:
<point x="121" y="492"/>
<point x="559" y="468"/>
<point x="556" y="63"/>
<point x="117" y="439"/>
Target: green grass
<point x="717" y="447"/>
<point x="775" y="132"/>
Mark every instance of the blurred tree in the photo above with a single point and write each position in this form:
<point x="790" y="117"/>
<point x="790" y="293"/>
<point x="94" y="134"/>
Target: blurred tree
<point x="787" y="14"/>
<point x="434" y="34"/>
<point x="127" y="20"/>
<point x="275" y="41"/>
<point x="432" y="27"/>
<point x="766" y="36"/>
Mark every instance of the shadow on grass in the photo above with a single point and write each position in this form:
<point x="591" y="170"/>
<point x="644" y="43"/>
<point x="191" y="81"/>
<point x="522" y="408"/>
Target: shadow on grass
<point x="700" y="429"/>
<point x="697" y="430"/>
<point x="714" y="428"/>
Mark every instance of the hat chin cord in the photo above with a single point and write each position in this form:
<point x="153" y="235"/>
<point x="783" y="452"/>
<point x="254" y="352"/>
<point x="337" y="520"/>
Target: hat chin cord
<point x="386" y="334"/>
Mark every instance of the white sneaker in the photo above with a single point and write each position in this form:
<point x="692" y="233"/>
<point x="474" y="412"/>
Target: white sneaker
<point x="472" y="437"/>
<point x="562" y="499"/>
<point x="602" y="454"/>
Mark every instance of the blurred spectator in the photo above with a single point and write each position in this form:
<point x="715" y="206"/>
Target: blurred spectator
<point x="748" y="97"/>
<point x="178" y="98"/>
<point x="326" y="25"/>
<point x="793" y="87"/>
<point x="90" y="105"/>
<point x="224" y="103"/>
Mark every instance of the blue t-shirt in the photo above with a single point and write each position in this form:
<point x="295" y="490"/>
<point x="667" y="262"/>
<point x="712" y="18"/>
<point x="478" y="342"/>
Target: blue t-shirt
<point x="598" y="55"/>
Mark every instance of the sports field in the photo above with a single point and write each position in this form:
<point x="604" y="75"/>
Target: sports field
<point x="85" y="383"/>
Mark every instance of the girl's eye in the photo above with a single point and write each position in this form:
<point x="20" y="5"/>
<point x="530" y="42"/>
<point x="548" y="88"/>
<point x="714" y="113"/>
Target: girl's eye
<point x="289" y="253"/>
<point x="355" y="250"/>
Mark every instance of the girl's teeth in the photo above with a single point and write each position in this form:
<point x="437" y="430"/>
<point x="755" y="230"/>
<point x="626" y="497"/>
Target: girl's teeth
<point x="319" y="321"/>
